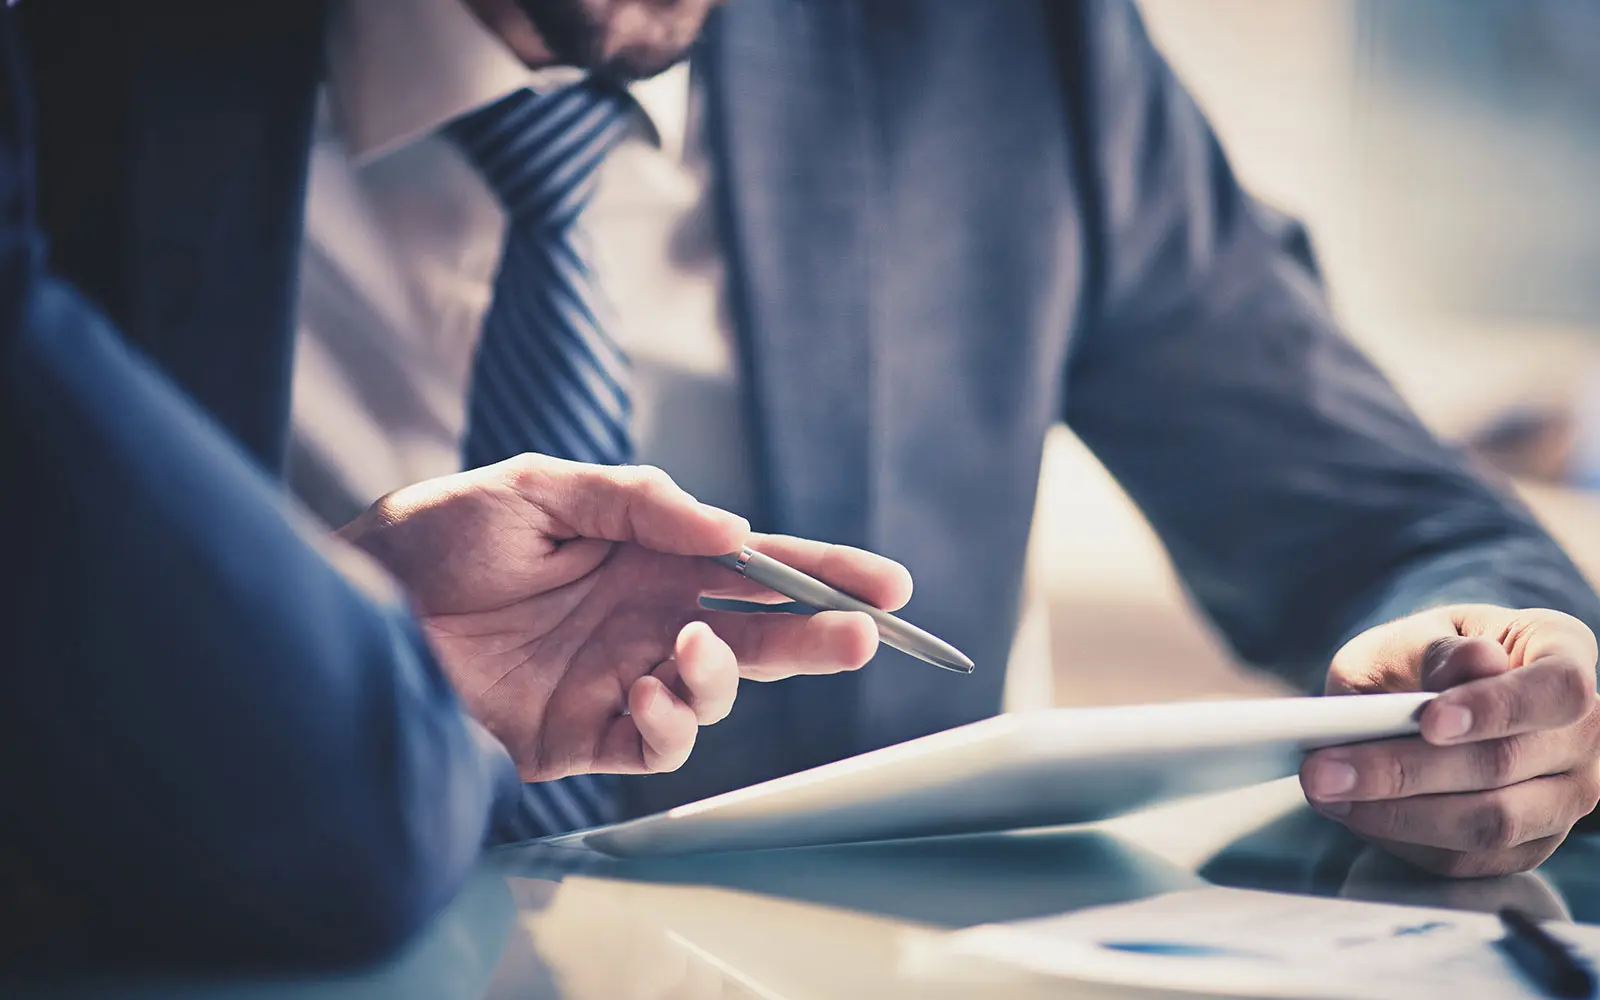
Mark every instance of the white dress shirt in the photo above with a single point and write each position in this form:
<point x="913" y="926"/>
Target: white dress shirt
<point x="403" y="239"/>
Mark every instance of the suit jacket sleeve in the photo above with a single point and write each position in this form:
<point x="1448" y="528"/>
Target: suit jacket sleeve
<point x="219" y="748"/>
<point x="1299" y="497"/>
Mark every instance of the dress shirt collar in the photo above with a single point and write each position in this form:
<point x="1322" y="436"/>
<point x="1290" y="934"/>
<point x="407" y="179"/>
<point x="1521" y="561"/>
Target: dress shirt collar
<point x="401" y="69"/>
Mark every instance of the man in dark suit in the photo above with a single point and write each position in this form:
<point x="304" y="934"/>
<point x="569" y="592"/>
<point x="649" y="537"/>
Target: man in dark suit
<point x="228" y="739"/>
<point x="947" y="225"/>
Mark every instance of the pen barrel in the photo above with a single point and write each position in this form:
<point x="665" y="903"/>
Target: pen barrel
<point x="810" y="591"/>
<point x="798" y="586"/>
<point x="1544" y="959"/>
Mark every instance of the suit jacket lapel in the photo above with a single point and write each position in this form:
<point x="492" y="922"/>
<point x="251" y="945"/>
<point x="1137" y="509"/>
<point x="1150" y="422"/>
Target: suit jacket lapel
<point x="794" y="170"/>
<point x="795" y="166"/>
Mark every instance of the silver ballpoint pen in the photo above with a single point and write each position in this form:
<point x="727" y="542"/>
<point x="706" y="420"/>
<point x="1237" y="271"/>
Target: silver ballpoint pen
<point x="810" y="591"/>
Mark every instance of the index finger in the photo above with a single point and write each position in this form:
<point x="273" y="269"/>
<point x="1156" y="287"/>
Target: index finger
<point x="1548" y="693"/>
<point x="880" y="581"/>
<point x="619" y="503"/>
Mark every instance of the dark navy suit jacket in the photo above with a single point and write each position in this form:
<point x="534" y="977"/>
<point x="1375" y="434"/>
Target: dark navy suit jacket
<point x="951" y="225"/>
<point x="218" y="747"/>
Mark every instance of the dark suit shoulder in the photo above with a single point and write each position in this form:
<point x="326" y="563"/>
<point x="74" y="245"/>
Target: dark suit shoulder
<point x="173" y="138"/>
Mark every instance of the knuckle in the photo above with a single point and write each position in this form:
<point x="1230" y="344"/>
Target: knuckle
<point x="1519" y="630"/>
<point x="1494" y="826"/>
<point x="521" y="462"/>
<point x="525" y="470"/>
<point x="1402" y="775"/>
<point x="652" y="480"/>
<point x="1574" y="690"/>
<point x="1392" y="776"/>
<point x="1548" y="619"/>
<point x="1437" y="651"/>
<point x="1500" y="761"/>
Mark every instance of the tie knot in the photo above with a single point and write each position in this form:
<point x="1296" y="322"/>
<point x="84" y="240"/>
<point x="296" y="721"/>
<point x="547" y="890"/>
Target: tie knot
<point x="539" y="152"/>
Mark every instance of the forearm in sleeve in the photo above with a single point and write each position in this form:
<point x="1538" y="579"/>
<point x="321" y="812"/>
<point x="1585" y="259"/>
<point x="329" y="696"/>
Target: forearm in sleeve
<point x="219" y="748"/>
<point x="1301" y="499"/>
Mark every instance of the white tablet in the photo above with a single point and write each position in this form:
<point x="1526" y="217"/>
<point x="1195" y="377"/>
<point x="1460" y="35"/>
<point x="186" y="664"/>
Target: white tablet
<point x="1031" y="769"/>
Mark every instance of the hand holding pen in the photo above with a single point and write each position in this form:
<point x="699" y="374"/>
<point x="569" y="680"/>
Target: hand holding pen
<point x="566" y="604"/>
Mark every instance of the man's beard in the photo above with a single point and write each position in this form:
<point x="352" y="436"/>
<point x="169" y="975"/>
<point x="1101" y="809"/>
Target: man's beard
<point x="577" y="34"/>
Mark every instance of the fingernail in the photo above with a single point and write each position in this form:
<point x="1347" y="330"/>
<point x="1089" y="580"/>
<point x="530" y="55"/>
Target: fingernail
<point x="1451" y="722"/>
<point x="1338" y="810"/>
<point x="1330" y="778"/>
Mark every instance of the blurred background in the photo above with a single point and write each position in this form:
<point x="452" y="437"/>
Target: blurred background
<point x="1444" y="155"/>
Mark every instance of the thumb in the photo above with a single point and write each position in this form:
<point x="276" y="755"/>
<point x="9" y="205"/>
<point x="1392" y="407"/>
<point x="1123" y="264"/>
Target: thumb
<point x="624" y="503"/>
<point x="1425" y="652"/>
<point x="1454" y="660"/>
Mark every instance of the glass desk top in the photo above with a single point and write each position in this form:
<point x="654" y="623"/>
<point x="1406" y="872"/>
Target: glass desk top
<point x="538" y="922"/>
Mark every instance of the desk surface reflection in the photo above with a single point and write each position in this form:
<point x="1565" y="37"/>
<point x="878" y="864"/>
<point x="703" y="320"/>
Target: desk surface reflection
<point x="541" y="923"/>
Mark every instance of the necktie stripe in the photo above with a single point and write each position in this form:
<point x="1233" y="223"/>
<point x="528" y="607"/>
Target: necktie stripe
<point x="541" y="188"/>
<point x="510" y="167"/>
<point x="568" y="203"/>
<point x="587" y="356"/>
<point x="529" y="424"/>
<point x="547" y="377"/>
<point x="577" y="146"/>
<point x="566" y="802"/>
<point x="591" y="799"/>
<point x="569" y="272"/>
<point x="597" y="438"/>
<point x="554" y="411"/>
<point x="502" y="152"/>
<point x="490" y="136"/>
<point x="541" y="356"/>
<point x="562" y="365"/>
<point x="544" y="815"/>
<point x="505" y="114"/>
<point x="561" y="299"/>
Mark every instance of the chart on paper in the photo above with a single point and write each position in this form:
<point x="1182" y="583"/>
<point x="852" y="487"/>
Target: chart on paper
<point x="1247" y="943"/>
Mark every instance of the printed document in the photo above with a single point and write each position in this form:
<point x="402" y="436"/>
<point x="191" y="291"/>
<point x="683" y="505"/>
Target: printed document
<point x="1245" y="943"/>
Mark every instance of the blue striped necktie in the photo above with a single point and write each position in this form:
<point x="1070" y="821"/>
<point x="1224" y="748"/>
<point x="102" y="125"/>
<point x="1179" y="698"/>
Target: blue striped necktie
<point x="546" y="377"/>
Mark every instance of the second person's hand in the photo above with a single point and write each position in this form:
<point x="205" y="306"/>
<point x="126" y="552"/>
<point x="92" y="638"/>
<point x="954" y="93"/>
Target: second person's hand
<point x="1509" y="754"/>
<point x="563" y="601"/>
